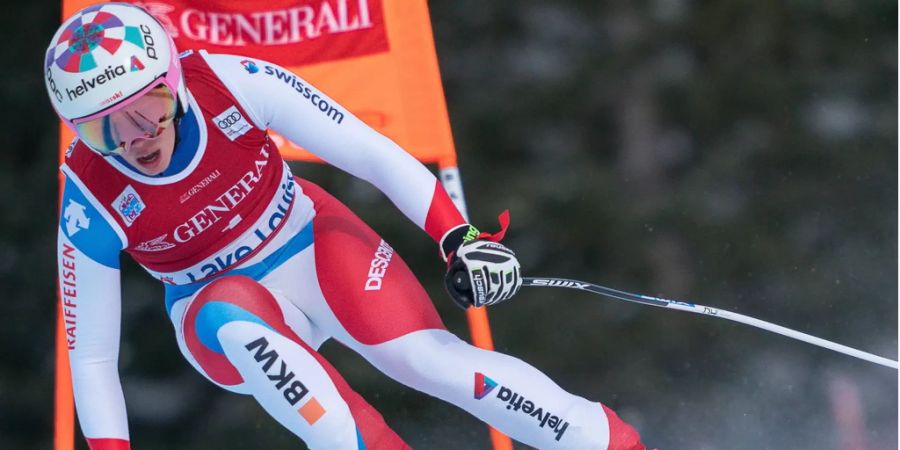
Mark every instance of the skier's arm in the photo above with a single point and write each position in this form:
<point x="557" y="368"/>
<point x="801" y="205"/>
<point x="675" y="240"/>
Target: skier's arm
<point x="278" y="99"/>
<point x="88" y="258"/>
<point x="284" y="102"/>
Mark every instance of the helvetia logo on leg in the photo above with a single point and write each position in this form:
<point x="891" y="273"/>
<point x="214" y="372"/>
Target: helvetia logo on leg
<point x="517" y="402"/>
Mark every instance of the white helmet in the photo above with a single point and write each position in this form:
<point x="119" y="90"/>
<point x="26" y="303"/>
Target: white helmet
<point x="106" y="56"/>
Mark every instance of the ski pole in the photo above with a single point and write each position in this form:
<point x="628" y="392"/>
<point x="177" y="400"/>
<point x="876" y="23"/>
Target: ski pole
<point x="707" y="311"/>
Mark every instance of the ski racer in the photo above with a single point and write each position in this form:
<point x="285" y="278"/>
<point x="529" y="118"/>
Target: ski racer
<point x="172" y="164"/>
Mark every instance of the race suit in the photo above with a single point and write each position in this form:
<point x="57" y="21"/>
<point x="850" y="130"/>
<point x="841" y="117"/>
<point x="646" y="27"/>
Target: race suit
<point x="260" y="267"/>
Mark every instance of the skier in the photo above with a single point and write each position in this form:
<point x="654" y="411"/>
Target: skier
<point x="173" y="165"/>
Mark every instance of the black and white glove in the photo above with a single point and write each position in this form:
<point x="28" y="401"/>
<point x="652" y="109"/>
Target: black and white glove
<point x="480" y="271"/>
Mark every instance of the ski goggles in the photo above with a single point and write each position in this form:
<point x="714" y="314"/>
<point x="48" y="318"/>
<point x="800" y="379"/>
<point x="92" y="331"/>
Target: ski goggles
<point x="146" y="117"/>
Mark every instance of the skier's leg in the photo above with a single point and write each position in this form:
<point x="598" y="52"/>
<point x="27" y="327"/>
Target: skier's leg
<point x="371" y="302"/>
<point x="233" y="331"/>
<point x="504" y="391"/>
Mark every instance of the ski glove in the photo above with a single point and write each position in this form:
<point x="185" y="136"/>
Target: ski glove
<point x="480" y="271"/>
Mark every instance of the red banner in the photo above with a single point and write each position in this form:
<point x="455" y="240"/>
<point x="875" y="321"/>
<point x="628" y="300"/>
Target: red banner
<point x="289" y="32"/>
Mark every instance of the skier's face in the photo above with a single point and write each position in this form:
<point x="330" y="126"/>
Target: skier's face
<point x="152" y="156"/>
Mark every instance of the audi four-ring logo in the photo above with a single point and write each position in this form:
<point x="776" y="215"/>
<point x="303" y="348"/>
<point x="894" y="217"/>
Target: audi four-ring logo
<point x="229" y="120"/>
<point x="232" y="123"/>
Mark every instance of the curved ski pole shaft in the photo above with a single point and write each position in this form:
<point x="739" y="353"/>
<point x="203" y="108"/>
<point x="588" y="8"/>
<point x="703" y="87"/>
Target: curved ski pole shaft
<point x="707" y="311"/>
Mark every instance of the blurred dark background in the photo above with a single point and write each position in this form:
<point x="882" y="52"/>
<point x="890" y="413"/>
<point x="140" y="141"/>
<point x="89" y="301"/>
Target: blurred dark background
<point x="740" y="154"/>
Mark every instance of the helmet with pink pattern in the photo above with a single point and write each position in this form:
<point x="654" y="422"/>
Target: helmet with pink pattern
<point x="101" y="60"/>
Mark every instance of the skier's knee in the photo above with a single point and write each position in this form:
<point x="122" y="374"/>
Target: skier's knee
<point x="223" y="301"/>
<point x="414" y="359"/>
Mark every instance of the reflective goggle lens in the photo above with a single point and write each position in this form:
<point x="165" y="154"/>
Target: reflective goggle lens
<point x="144" y="118"/>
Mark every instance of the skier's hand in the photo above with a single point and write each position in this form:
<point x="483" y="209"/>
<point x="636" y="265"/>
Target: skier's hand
<point x="480" y="270"/>
<point x="482" y="273"/>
